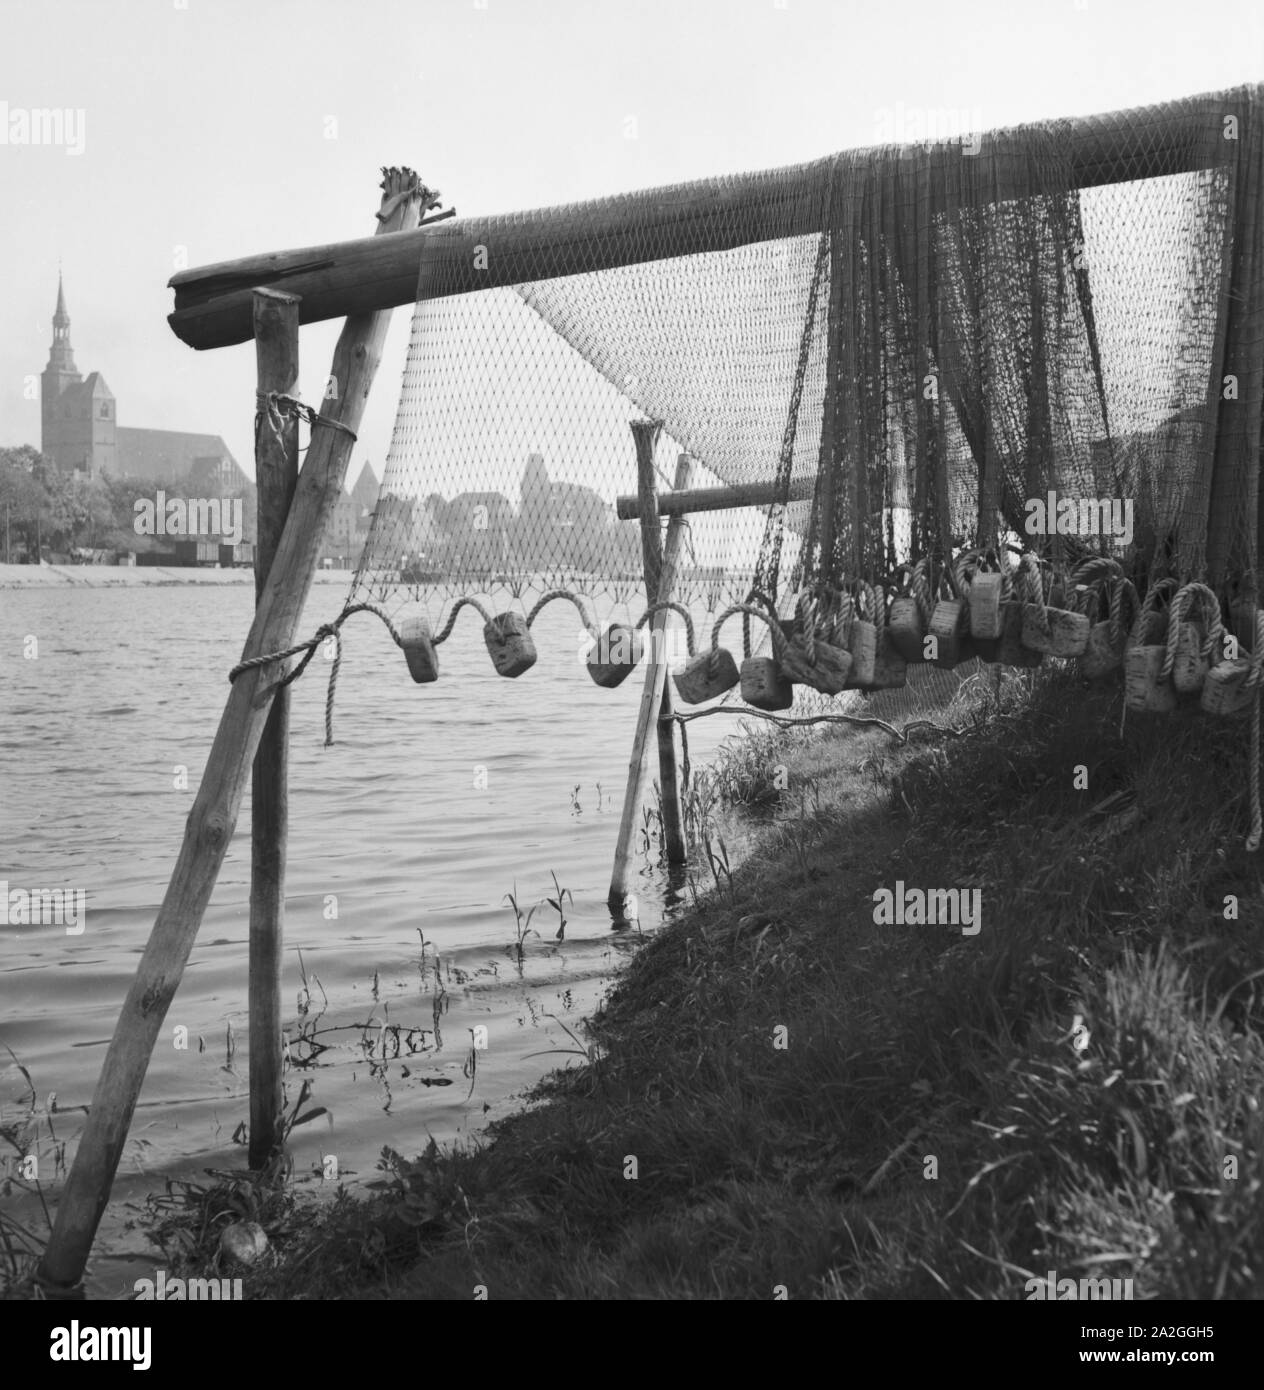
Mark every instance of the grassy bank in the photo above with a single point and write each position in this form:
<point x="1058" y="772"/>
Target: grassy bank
<point x="862" y="1111"/>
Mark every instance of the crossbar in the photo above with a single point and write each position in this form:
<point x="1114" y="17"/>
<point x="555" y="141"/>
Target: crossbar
<point x="213" y="303"/>
<point x="718" y="499"/>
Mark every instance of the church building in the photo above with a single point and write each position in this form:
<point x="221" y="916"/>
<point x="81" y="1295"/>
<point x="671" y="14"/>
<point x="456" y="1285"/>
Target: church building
<point x="79" y="430"/>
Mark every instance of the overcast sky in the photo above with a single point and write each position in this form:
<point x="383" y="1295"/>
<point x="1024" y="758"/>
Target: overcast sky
<point x="207" y="130"/>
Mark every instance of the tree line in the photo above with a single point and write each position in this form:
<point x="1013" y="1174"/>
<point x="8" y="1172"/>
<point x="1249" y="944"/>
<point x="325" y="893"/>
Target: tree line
<point x="46" y="511"/>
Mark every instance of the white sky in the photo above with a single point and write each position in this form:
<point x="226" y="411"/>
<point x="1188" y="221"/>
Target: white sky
<point x="206" y="125"/>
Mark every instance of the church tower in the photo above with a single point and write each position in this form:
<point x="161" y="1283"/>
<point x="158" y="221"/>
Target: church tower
<point x="60" y="373"/>
<point x="77" y="425"/>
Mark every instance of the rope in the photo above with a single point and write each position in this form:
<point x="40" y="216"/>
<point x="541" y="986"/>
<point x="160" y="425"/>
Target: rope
<point x="1030" y="587"/>
<point x="778" y="632"/>
<point x="1121" y="589"/>
<point x="1154" y="595"/>
<point x="1201" y="595"/>
<point x="309" y="647"/>
<point x="920" y="589"/>
<point x="754" y="595"/>
<point x="862" y="607"/>
<point x="807" y="621"/>
<point x="1092" y="571"/>
<point x="467" y="601"/>
<point x="963" y="570"/>
<point x="676" y="607"/>
<point x="1007" y="573"/>
<point x="276" y="404"/>
<point x="589" y="625"/>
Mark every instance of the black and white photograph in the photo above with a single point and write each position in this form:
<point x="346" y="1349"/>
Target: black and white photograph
<point x="631" y="656"/>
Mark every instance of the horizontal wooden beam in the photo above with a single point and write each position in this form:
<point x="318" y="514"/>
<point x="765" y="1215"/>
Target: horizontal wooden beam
<point x="717" y="499"/>
<point x="213" y="306"/>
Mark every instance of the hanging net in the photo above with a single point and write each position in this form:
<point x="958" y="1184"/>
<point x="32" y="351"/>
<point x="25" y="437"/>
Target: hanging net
<point x="877" y="362"/>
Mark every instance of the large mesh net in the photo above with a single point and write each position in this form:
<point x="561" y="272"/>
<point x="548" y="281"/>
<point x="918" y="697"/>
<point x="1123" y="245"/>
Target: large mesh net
<point x="878" y="358"/>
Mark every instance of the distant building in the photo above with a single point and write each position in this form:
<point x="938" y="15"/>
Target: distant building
<point x="561" y="524"/>
<point x="350" y="520"/>
<point x="79" y="432"/>
<point x="77" y="425"/>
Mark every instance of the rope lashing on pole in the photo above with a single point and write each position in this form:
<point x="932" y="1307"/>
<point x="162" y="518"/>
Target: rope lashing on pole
<point x="274" y="406"/>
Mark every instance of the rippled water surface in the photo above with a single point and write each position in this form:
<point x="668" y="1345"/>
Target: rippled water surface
<point x="396" y="835"/>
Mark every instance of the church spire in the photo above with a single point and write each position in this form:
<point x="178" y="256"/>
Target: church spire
<point x="61" y="357"/>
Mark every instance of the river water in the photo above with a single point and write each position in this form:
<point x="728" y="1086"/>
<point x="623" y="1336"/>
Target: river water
<point x="434" y="803"/>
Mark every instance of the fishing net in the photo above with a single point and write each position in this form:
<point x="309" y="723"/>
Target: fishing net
<point x="881" y="358"/>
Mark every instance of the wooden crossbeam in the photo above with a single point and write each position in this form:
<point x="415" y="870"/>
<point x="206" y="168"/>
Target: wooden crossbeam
<point x="717" y="499"/>
<point x="213" y="303"/>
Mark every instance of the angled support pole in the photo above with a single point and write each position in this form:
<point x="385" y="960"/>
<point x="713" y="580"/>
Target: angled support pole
<point x="214" y="815"/>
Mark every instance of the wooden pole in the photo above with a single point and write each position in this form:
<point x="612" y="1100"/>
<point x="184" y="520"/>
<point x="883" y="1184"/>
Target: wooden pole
<point x="276" y="477"/>
<point x="717" y="499"/>
<point x="213" y="303"/>
<point x="828" y="459"/>
<point x="668" y="781"/>
<point x="660" y="578"/>
<point x="214" y="815"/>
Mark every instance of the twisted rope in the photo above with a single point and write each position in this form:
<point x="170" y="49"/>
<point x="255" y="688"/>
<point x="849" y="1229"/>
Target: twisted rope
<point x="1007" y="573"/>
<point x="1202" y="596"/>
<point x="1093" y="571"/>
<point x="309" y="647"/>
<point x="675" y="607"/>
<point x="807" y="624"/>
<point x="467" y="601"/>
<point x="963" y="571"/>
<point x="755" y="595"/>
<point x="860" y="607"/>
<point x="590" y="625"/>
<point x="1030" y="587"/>
<point x="878" y="595"/>
<point x="920" y="589"/>
<point x="1154" y="595"/>
<point x="1121" y="589"/>
<point x="778" y="633"/>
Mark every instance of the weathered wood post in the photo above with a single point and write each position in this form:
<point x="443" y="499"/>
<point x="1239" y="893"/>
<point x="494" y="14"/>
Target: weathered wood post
<point x="214" y="815"/>
<point x="668" y="781"/>
<point x="276" y="477"/>
<point x="660" y="577"/>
